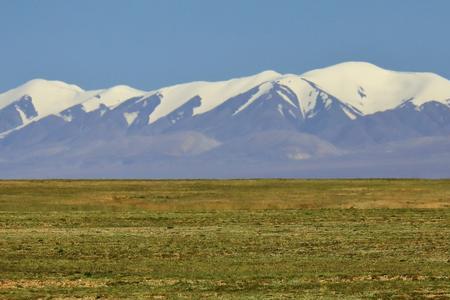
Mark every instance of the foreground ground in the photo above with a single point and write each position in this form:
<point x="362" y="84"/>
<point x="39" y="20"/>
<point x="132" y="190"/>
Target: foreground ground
<point x="261" y="239"/>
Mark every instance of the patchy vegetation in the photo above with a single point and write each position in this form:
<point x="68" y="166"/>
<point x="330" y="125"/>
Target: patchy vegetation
<point x="279" y="239"/>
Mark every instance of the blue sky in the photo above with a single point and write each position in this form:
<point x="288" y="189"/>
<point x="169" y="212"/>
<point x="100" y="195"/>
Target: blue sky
<point x="149" y="44"/>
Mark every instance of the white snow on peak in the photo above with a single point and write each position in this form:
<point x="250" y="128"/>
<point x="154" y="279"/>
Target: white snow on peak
<point x="53" y="97"/>
<point x="110" y="97"/>
<point x="349" y="114"/>
<point x="280" y="109"/>
<point x="304" y="92"/>
<point x="48" y="97"/>
<point x="130" y="117"/>
<point x="360" y="85"/>
<point x="372" y="89"/>
<point x="285" y="97"/>
<point x="23" y="116"/>
<point x="211" y="94"/>
<point x="262" y="89"/>
<point x="66" y="118"/>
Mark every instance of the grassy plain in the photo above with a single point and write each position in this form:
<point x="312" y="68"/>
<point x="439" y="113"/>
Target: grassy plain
<point x="249" y="239"/>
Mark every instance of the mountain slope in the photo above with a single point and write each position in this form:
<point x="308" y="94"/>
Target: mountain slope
<point x="327" y="119"/>
<point x="371" y="89"/>
<point x="40" y="98"/>
<point x="48" y="96"/>
<point x="211" y="94"/>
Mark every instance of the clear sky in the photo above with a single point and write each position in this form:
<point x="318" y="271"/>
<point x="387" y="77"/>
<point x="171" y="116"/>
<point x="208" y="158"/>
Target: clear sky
<point x="150" y="43"/>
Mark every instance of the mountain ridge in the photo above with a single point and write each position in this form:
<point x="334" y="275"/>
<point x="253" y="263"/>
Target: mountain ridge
<point x="76" y="95"/>
<point x="328" y="116"/>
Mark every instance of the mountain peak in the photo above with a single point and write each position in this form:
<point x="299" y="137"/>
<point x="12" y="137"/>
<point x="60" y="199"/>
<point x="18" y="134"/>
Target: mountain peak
<point x="110" y="97"/>
<point x="211" y="94"/>
<point x="47" y="96"/>
<point x="39" y="83"/>
<point x="262" y="120"/>
<point x="360" y="85"/>
<point x="350" y="68"/>
<point x="268" y="74"/>
<point x="370" y="88"/>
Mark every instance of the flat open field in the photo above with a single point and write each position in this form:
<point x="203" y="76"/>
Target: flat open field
<point x="251" y="239"/>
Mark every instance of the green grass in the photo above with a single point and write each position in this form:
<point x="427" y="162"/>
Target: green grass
<point x="255" y="239"/>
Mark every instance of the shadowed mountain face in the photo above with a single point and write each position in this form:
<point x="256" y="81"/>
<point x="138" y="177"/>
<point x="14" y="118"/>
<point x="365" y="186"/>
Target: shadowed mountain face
<point x="267" y="125"/>
<point x="15" y="114"/>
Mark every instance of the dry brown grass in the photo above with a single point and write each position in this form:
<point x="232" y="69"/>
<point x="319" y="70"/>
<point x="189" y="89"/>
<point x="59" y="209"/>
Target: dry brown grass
<point x="53" y="283"/>
<point x="250" y="239"/>
<point x="209" y="195"/>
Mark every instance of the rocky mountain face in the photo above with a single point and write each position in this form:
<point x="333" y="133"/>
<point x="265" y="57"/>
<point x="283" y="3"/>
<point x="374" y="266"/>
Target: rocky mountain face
<point x="348" y="120"/>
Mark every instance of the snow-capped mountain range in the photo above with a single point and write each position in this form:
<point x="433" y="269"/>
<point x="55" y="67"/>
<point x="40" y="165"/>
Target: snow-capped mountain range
<point x="351" y="119"/>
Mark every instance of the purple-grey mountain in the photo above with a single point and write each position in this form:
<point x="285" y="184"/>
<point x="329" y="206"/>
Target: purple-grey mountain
<point x="349" y="120"/>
